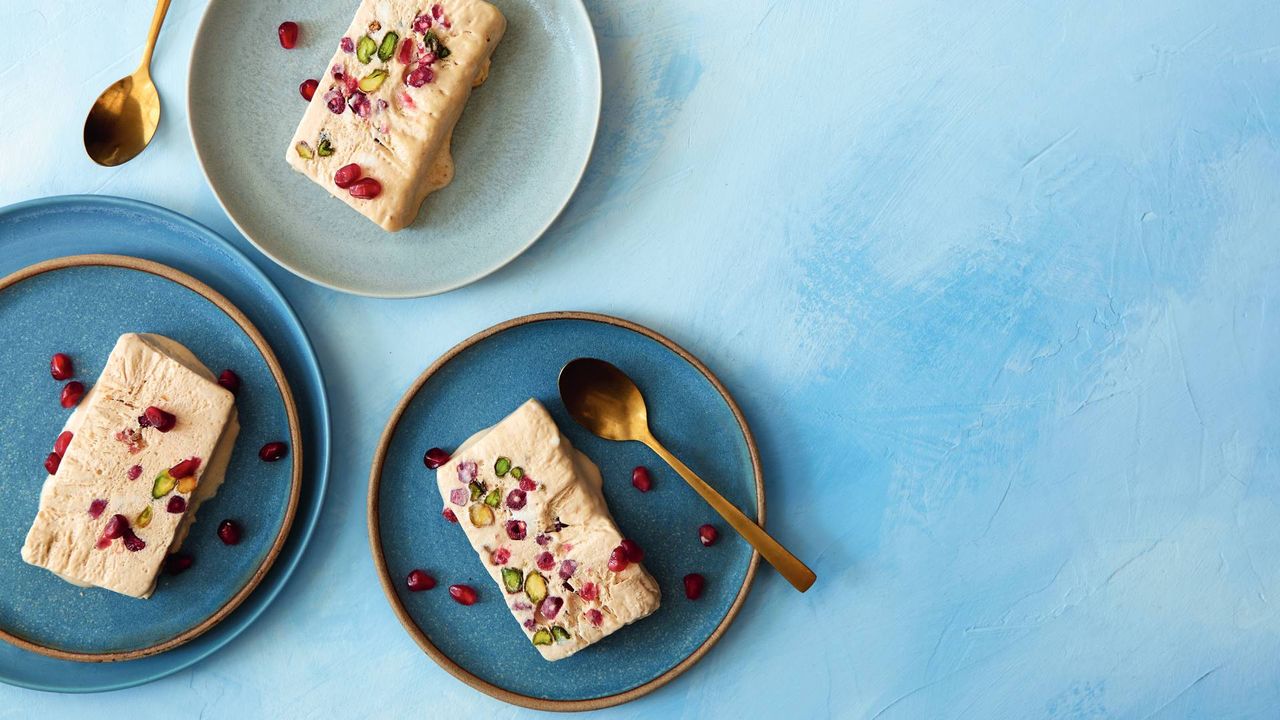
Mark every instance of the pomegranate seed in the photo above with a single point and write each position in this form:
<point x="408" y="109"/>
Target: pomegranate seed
<point x="288" y="32"/>
<point x="335" y="102"/>
<point x="51" y="463"/>
<point x="448" y="515"/>
<point x="427" y="58"/>
<point x="550" y="607"/>
<point x="178" y="564"/>
<point x="633" y="550"/>
<point x="177" y="504"/>
<point x="350" y="83"/>
<point x="71" y="394"/>
<point x="60" y="367"/>
<point x="346" y="175"/>
<point x="273" y="451"/>
<point x="437" y="11"/>
<point x="640" y="479"/>
<point x="365" y="189"/>
<point x="406" y="51"/>
<point x="595" y="617"/>
<point x="567" y="569"/>
<point x="419" y="580"/>
<point x="156" y="418"/>
<point x="500" y="556"/>
<point x="347" y="45"/>
<point x="358" y="101"/>
<point x="589" y="591"/>
<point x="618" y="560"/>
<point x="60" y="445"/>
<point x="96" y="507"/>
<point x="464" y="594"/>
<point x="527" y="484"/>
<point x="708" y="535"/>
<point x="308" y="88"/>
<point x="515" y="529"/>
<point x="516" y="499"/>
<point x="184" y="469"/>
<point x="542" y="539"/>
<point x="693" y="584"/>
<point x="422" y="23"/>
<point x="545" y="561"/>
<point x="227" y="378"/>
<point x="134" y="472"/>
<point x="116" y="527"/>
<point x="435" y="457"/>
<point x="229" y="532"/>
<point x="132" y="542"/>
<point x="419" y="76"/>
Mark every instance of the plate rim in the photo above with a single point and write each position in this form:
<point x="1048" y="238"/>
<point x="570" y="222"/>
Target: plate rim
<point x="295" y="439"/>
<point x="442" y="659"/>
<point x="596" y="84"/>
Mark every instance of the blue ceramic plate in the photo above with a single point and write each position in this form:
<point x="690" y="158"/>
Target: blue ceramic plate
<point x="58" y="617"/>
<point x="520" y="147"/>
<point x="477" y="384"/>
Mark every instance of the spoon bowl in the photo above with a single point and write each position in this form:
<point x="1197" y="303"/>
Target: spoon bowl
<point x="123" y="120"/>
<point x="604" y="400"/>
<point x="125" y="116"/>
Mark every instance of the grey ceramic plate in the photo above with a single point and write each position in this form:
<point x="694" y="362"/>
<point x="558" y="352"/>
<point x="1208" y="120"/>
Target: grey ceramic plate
<point x="520" y="147"/>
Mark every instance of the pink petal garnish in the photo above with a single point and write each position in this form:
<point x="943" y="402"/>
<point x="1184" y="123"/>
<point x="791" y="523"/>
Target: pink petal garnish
<point x="589" y="591"/>
<point x="466" y="471"/>
<point x="459" y="497"/>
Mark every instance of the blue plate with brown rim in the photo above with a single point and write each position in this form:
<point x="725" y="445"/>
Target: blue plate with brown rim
<point x="479" y="382"/>
<point x="79" y="272"/>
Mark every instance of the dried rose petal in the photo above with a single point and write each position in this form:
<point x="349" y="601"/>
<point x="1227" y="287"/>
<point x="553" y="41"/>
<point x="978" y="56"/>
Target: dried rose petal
<point x="460" y="497"/>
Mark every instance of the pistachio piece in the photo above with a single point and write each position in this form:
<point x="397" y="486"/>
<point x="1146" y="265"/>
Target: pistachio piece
<point x="542" y="637"/>
<point x="535" y="586"/>
<point x="494" y="498"/>
<point x="304" y="150"/>
<point x="365" y="48"/>
<point x="388" y="46"/>
<point x="559" y="633"/>
<point x="517" y="472"/>
<point x="144" y="518"/>
<point x="163" y="485"/>
<point x="512" y="579"/>
<point x="325" y="148"/>
<point x="373" y="80"/>
<point x="187" y="485"/>
<point x="502" y="466"/>
<point x="481" y="515"/>
<point x="477" y="490"/>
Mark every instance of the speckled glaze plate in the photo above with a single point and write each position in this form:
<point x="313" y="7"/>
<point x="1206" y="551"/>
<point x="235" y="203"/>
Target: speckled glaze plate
<point x="478" y="383"/>
<point x="520" y="147"/>
<point x="60" y="637"/>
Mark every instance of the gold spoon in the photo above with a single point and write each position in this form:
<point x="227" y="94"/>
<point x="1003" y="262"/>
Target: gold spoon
<point x="124" y="118"/>
<point x="607" y="402"/>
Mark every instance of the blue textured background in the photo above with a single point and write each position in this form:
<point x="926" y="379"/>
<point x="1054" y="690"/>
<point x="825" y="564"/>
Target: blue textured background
<point x="994" y="283"/>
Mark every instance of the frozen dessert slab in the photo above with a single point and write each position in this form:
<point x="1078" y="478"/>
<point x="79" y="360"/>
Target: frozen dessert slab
<point x="533" y="509"/>
<point x="130" y="481"/>
<point x="388" y="102"/>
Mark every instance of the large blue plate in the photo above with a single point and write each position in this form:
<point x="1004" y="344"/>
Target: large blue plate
<point x="478" y="383"/>
<point x="520" y="147"/>
<point x="39" y="230"/>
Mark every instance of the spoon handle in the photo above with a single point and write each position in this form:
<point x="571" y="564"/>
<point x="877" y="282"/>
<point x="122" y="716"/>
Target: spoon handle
<point x="157" y="20"/>
<point x="788" y="565"/>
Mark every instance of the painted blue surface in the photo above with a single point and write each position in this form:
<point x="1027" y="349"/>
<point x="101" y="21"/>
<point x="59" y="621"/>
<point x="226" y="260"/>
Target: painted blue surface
<point x="519" y="149"/>
<point x="41" y="229"/>
<point x="994" y="283"/>
<point x="41" y="607"/>
<point x="479" y="387"/>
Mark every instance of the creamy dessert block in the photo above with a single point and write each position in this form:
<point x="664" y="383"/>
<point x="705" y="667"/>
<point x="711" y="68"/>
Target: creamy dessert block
<point x="149" y="443"/>
<point x="533" y="509"/>
<point x="377" y="132"/>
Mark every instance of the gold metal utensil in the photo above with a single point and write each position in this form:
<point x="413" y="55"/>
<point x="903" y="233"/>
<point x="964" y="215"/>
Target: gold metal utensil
<point x="124" y="117"/>
<point x="605" y="401"/>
